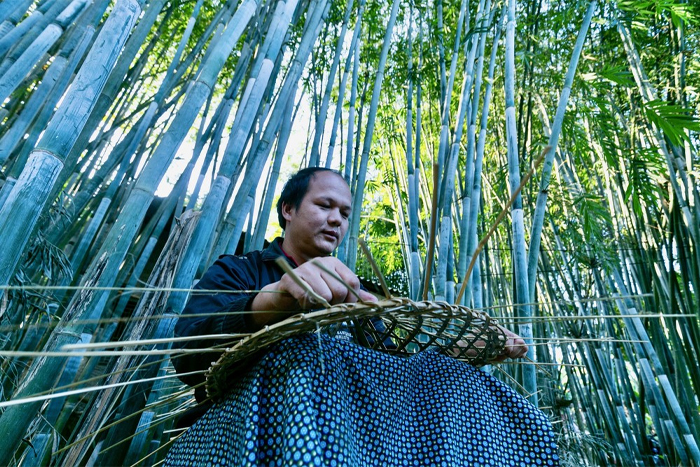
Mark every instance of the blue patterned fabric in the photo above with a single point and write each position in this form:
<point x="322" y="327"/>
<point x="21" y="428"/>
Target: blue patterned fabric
<point x="321" y="401"/>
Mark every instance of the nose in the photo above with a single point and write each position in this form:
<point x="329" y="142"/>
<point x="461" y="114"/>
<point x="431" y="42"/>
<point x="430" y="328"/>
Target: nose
<point x="334" y="217"/>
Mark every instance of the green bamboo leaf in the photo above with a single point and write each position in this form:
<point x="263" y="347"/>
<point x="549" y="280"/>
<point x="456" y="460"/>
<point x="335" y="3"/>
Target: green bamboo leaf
<point x="616" y="74"/>
<point x="644" y="10"/>
<point x="672" y="119"/>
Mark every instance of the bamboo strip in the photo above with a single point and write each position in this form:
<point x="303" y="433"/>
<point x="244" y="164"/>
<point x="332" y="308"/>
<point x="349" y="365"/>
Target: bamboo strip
<point x="150" y="426"/>
<point x="224" y="291"/>
<point x="169" y="340"/>
<point x="126" y="289"/>
<point x="375" y="268"/>
<point x="498" y="220"/>
<point x="503" y="320"/>
<point x="176" y="352"/>
<point x="165" y="445"/>
<point x="104" y="428"/>
<point x="99" y="353"/>
<point x="290" y="272"/>
<point x="97" y="345"/>
<point x="28" y="400"/>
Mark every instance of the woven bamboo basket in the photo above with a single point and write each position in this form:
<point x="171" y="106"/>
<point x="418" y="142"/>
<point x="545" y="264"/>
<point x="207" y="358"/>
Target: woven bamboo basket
<point x="397" y="326"/>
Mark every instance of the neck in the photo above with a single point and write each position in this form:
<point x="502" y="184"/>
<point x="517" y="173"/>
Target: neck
<point x="288" y="255"/>
<point x="290" y="251"/>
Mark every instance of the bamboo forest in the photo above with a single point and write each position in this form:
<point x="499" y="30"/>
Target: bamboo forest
<point x="536" y="160"/>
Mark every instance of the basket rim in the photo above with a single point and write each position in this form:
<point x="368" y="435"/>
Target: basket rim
<point x="309" y="321"/>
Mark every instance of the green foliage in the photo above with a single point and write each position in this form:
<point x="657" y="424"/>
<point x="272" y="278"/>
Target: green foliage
<point x="580" y="449"/>
<point x="614" y="74"/>
<point x="610" y="205"/>
<point x="645" y="170"/>
<point x="672" y="119"/>
<point x="378" y="226"/>
<point x="649" y="9"/>
<point x="594" y="217"/>
<point x="49" y="259"/>
<point x="583" y="217"/>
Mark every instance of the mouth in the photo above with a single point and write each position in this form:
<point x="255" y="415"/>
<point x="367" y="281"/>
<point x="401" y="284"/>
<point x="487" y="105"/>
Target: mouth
<point x="330" y="234"/>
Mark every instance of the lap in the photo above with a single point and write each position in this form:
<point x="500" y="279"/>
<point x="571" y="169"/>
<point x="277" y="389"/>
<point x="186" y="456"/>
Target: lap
<point x="322" y="401"/>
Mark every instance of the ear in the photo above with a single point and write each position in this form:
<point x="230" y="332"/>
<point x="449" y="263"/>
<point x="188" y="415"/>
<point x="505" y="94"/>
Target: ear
<point x="287" y="211"/>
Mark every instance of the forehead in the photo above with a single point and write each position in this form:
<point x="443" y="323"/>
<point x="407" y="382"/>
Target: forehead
<point x="329" y="185"/>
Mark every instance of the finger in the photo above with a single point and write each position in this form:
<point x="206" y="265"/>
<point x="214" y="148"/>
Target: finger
<point x="511" y="351"/>
<point x="519" y="346"/>
<point x="366" y="296"/>
<point x="523" y="350"/>
<point x="515" y="345"/>
<point x="304" y="299"/>
<point x="329" y="284"/>
<point x="339" y="292"/>
<point x="515" y="348"/>
<point x="321" y="286"/>
<point x="344" y="284"/>
<point x="348" y="279"/>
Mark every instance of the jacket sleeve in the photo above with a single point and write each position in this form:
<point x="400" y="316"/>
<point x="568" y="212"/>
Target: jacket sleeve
<point x="209" y="313"/>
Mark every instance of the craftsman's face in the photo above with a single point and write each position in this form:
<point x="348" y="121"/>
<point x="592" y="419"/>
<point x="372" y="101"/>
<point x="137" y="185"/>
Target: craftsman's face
<point x="319" y="224"/>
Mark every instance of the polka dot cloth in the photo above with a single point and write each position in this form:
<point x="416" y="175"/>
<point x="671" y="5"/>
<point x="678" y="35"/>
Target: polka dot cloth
<point x="329" y="402"/>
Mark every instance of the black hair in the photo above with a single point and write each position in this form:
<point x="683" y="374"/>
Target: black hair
<point x="296" y="188"/>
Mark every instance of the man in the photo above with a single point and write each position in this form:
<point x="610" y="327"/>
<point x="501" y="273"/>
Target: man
<point x="320" y="400"/>
<point x="314" y="226"/>
<point x="313" y="211"/>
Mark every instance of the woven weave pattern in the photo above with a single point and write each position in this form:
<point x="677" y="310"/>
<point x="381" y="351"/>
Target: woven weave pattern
<point x="398" y="326"/>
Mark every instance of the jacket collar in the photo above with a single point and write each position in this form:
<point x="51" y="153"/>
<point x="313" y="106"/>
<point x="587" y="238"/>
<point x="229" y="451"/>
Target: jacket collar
<point x="274" y="251"/>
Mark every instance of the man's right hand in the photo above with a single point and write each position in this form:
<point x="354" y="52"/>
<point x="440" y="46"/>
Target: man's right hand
<point x="276" y="300"/>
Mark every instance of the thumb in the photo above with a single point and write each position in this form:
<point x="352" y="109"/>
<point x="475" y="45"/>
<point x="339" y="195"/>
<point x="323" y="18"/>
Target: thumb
<point x="366" y="296"/>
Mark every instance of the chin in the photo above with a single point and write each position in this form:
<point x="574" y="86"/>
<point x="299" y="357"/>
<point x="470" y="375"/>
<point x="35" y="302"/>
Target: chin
<point x="326" y="249"/>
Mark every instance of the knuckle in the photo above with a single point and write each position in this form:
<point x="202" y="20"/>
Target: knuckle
<point x="354" y="282"/>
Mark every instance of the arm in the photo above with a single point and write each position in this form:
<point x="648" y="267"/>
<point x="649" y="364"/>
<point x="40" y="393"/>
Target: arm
<point x="206" y="313"/>
<point x="274" y="302"/>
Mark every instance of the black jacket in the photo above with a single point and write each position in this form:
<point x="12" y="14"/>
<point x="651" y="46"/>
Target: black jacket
<point x="251" y="271"/>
